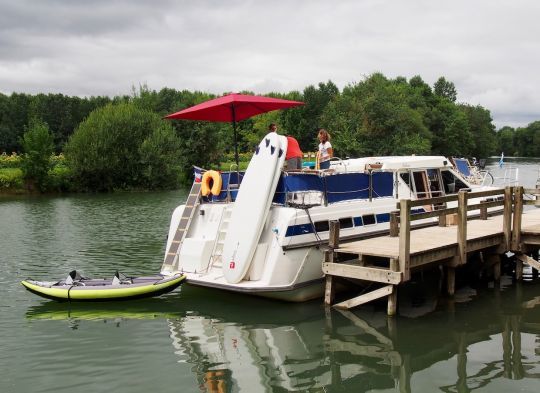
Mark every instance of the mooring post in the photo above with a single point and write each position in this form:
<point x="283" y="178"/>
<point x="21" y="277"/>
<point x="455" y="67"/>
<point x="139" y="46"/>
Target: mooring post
<point x="462" y="226"/>
<point x="405" y="238"/>
<point x="507" y="217"/>
<point x="392" y="298"/>
<point x="483" y="211"/>
<point x="518" y="212"/>
<point x="450" y="280"/>
<point x="394" y="223"/>
<point x="330" y="257"/>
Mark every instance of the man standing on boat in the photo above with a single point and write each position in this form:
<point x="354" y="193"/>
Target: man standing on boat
<point x="293" y="156"/>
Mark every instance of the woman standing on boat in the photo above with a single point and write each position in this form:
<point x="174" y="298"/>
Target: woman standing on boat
<point x="325" y="152"/>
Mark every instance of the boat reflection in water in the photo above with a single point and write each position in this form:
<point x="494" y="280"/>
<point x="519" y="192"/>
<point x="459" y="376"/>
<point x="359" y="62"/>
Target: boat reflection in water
<point x="459" y="347"/>
<point x="238" y="344"/>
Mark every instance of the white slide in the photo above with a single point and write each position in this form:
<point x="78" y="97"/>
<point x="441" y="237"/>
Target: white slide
<point x="252" y="205"/>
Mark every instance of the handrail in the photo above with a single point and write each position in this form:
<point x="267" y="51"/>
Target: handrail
<point x="400" y="221"/>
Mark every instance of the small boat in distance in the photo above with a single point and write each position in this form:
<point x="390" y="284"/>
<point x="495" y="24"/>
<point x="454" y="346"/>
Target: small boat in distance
<point x="120" y="287"/>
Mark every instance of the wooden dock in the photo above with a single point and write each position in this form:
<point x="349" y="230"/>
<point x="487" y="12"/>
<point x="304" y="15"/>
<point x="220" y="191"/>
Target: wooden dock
<point x="462" y="230"/>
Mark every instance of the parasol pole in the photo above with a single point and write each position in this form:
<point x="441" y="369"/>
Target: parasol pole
<point x="235" y="138"/>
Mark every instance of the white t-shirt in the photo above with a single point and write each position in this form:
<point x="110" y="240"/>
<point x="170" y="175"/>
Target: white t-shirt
<point x="323" y="151"/>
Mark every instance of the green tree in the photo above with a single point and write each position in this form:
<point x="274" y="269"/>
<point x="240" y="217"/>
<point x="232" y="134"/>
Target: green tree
<point x="121" y="146"/>
<point x="482" y="130"/>
<point x="38" y="146"/>
<point x="446" y="89"/>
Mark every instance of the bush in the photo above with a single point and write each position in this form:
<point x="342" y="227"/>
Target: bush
<point x="38" y="146"/>
<point x="11" y="179"/>
<point x="122" y="146"/>
<point x="59" y="179"/>
<point x="10" y="161"/>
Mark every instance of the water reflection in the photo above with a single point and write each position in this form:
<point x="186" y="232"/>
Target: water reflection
<point x="458" y="348"/>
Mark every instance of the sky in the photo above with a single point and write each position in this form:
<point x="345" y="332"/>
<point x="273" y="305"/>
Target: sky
<point x="490" y="49"/>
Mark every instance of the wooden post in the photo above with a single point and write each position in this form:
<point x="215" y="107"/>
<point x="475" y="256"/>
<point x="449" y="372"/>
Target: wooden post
<point x="507" y="217"/>
<point x="496" y="259"/>
<point x="394" y="224"/>
<point x="329" y="290"/>
<point x="450" y="280"/>
<point x="483" y="211"/>
<point x="442" y="218"/>
<point x="519" y="268"/>
<point x="516" y="226"/>
<point x="392" y="298"/>
<point x="333" y="239"/>
<point x="330" y="257"/>
<point x="462" y="226"/>
<point x="405" y="238"/>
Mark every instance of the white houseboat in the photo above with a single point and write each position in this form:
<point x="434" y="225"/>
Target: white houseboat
<point x="260" y="232"/>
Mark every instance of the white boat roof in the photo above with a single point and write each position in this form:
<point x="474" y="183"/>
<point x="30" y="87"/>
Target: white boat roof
<point x="391" y="163"/>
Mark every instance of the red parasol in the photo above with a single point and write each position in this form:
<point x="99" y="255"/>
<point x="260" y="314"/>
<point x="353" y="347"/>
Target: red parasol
<point x="233" y="108"/>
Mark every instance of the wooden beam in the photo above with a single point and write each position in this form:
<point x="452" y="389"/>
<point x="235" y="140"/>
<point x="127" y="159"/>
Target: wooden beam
<point x="394" y="224"/>
<point x="516" y="225"/>
<point x="365" y="298"/>
<point x="462" y="226"/>
<point x="529" y="261"/>
<point x="507" y="217"/>
<point x="405" y="238"/>
<point x="391" y="308"/>
<point x="333" y="237"/>
<point x="451" y="280"/>
<point x="362" y="273"/>
<point x="329" y="291"/>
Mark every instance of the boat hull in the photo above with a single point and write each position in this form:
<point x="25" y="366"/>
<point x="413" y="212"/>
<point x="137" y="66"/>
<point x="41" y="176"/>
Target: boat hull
<point x="103" y="290"/>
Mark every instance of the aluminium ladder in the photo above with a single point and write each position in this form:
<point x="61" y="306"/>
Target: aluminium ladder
<point x="171" y="255"/>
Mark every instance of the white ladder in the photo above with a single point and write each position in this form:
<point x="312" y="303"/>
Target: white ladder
<point x="171" y="256"/>
<point x="215" y="259"/>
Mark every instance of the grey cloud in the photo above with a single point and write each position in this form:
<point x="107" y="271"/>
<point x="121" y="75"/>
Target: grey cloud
<point x="103" y="47"/>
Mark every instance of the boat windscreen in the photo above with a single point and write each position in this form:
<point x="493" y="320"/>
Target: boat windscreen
<point x="462" y="166"/>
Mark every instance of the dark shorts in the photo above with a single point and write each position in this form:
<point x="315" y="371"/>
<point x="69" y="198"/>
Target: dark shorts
<point x="294" y="164"/>
<point x="324" y="165"/>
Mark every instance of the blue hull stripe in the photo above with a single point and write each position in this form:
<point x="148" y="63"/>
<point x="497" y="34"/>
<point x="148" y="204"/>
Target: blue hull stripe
<point x="304" y="229"/>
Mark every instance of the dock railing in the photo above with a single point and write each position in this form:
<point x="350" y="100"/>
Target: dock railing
<point x="400" y="220"/>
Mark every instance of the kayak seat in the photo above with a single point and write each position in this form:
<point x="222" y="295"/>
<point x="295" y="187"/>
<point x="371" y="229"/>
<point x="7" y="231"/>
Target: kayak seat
<point x="74" y="277"/>
<point x="120" y="279"/>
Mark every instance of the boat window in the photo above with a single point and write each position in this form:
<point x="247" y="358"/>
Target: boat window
<point x="421" y="184"/>
<point x="451" y="182"/>
<point x="406" y="177"/>
<point x="369" y="219"/>
<point x="322" y="226"/>
<point x="346" y="222"/>
<point x="434" y="182"/>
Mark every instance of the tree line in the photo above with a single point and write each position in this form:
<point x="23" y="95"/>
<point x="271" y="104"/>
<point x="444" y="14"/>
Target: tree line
<point x="123" y="142"/>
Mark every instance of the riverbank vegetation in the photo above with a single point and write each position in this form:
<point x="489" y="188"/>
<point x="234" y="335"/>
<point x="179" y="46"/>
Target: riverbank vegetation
<point x="124" y="143"/>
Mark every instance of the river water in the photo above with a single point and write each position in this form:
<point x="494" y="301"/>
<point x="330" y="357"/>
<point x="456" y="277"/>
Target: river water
<point x="485" y="339"/>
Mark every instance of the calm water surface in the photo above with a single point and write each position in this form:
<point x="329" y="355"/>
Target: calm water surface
<point x="486" y="339"/>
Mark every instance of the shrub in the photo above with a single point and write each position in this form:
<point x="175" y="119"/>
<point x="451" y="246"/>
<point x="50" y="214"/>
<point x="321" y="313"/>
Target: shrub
<point x="11" y="179"/>
<point x="38" y="146"/>
<point x="10" y="161"/>
<point x="122" y="146"/>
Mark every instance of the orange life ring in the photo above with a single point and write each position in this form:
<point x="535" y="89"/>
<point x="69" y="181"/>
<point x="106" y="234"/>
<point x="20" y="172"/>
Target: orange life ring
<point x="211" y="183"/>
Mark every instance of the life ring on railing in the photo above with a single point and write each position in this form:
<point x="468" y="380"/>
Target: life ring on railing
<point x="211" y="183"/>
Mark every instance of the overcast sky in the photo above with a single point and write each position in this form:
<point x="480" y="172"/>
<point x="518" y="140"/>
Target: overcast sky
<point x="488" y="48"/>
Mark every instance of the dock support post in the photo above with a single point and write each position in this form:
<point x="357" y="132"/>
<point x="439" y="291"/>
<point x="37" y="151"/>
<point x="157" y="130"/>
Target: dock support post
<point x="329" y="256"/>
<point x="392" y="298"/>
<point x="462" y="226"/>
<point x="405" y="238"/>
<point x="518" y="212"/>
<point x="507" y="217"/>
<point x="394" y="224"/>
<point x="519" y="268"/>
<point x="450" y="280"/>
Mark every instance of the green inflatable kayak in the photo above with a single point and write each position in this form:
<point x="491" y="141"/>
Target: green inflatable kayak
<point x="120" y="287"/>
